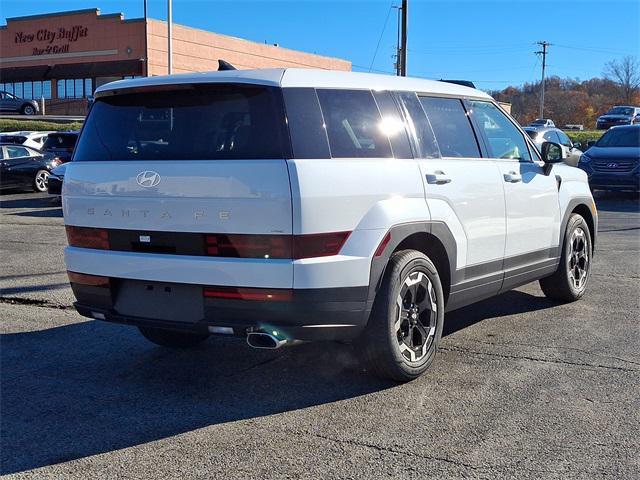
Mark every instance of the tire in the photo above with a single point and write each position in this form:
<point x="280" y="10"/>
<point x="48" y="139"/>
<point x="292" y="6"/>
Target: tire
<point x="28" y="110"/>
<point x="41" y="181"/>
<point x="172" y="338"/>
<point x="570" y="281"/>
<point x="408" y="309"/>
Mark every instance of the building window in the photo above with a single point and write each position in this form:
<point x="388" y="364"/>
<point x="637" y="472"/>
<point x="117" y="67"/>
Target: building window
<point x="29" y="90"/>
<point x="75" y="88"/>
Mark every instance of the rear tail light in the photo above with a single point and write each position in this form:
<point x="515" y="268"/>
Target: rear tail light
<point x="90" y="280"/>
<point x="248" y="246"/>
<point x="275" y="246"/>
<point x="318" y="245"/>
<point x="87" y="237"/>
<point x="259" y="294"/>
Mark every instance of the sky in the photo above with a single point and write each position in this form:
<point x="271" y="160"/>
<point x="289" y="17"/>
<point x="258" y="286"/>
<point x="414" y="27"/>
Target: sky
<point x="491" y="43"/>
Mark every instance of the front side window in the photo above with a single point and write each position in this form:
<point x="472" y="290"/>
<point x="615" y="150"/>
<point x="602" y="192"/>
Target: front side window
<point x="451" y="127"/>
<point x="418" y="125"/>
<point x="564" y="139"/>
<point x="16" y="152"/>
<point x="503" y="138"/>
<point x="354" y="125"/>
<point x="551" y="136"/>
<point x="197" y="122"/>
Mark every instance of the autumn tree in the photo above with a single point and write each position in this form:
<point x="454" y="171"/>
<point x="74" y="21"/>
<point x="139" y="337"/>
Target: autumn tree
<point x="626" y="74"/>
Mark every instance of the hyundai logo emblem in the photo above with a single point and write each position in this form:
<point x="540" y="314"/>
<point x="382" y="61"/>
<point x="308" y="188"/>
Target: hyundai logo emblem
<point x="148" y="179"/>
<point x="612" y="165"/>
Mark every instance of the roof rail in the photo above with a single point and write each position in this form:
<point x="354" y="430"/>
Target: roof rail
<point x="464" y="83"/>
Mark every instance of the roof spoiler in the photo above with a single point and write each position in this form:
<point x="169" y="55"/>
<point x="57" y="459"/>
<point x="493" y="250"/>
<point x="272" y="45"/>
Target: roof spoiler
<point x="222" y="65"/>
<point x="464" y="83"/>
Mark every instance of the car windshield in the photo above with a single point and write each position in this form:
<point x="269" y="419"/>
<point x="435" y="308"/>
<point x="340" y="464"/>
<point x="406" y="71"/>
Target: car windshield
<point x="17" y="139"/>
<point x="538" y="122"/>
<point x="60" y="141"/>
<point x="620" y="111"/>
<point x="620" y="137"/>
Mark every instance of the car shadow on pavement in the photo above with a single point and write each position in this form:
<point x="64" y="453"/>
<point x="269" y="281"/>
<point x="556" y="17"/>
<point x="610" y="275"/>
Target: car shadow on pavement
<point x="510" y="303"/>
<point x="36" y="201"/>
<point x="50" y="213"/>
<point x="617" y="201"/>
<point x="92" y="387"/>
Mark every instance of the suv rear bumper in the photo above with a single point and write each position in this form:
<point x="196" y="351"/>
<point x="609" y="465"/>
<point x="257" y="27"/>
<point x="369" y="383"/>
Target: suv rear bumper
<point x="311" y="315"/>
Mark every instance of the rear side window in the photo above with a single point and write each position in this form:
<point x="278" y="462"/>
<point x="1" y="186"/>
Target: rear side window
<point x="451" y="127"/>
<point x="353" y="124"/>
<point x="16" y="152"/>
<point x="198" y="122"/>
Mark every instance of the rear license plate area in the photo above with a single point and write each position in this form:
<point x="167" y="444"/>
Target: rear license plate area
<point x="177" y="302"/>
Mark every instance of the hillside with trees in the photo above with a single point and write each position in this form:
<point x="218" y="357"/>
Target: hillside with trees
<point x="571" y="101"/>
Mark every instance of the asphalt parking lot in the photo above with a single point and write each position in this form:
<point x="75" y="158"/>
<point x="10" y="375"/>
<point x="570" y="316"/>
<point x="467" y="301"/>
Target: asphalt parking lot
<point x="522" y="388"/>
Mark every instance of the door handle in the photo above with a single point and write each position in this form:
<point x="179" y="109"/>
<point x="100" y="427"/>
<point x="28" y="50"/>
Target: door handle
<point x="438" y="178"/>
<point x="512" y="177"/>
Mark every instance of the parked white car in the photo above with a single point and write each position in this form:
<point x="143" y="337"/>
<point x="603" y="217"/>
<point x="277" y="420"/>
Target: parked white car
<point x="27" y="138"/>
<point x="291" y="205"/>
<point x="570" y="151"/>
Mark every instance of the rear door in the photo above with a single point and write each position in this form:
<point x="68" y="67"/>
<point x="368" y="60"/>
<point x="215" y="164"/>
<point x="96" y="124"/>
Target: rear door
<point x="204" y="158"/>
<point x="463" y="191"/>
<point x="533" y="210"/>
<point x="19" y="165"/>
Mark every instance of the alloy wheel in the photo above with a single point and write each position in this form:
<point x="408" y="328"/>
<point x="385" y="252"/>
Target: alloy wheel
<point x="578" y="259"/>
<point x="416" y="320"/>
<point x="42" y="180"/>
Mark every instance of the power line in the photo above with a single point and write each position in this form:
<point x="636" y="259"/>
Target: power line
<point x="381" y="35"/>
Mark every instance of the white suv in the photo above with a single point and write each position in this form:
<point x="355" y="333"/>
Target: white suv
<point x="293" y="205"/>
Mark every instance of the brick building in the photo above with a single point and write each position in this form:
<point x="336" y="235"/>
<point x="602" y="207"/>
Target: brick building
<point x="65" y="56"/>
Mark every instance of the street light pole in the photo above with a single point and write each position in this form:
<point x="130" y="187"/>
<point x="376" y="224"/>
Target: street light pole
<point x="169" y="36"/>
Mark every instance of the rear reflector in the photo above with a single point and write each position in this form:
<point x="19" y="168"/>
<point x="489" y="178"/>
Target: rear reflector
<point x="275" y="246"/>
<point x="383" y="244"/>
<point x="260" y="294"/>
<point x="91" y="280"/>
<point x="87" y="237"/>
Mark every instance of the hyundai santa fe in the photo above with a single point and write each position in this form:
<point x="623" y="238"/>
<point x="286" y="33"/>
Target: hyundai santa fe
<point x="296" y="205"/>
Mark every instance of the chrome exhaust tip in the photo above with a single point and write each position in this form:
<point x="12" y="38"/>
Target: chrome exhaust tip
<point x="264" y="340"/>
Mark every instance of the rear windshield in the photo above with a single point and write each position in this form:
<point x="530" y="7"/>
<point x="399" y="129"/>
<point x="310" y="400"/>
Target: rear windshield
<point x="620" y="137"/>
<point x="198" y="122"/>
<point x="55" y="141"/>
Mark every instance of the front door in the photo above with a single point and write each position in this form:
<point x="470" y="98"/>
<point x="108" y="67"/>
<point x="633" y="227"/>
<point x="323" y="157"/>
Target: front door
<point x="531" y="197"/>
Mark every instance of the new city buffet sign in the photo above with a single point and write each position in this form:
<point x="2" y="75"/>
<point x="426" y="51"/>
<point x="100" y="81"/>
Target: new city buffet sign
<point x="55" y="41"/>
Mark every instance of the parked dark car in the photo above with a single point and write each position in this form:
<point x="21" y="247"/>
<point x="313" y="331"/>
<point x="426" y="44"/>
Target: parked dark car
<point x="613" y="163"/>
<point x="620" y="115"/>
<point x="61" y="145"/>
<point x="10" y="103"/>
<point x="25" y="167"/>
<point x="55" y="179"/>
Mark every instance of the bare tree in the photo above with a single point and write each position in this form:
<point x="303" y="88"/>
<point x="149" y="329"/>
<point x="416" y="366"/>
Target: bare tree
<point x="626" y="74"/>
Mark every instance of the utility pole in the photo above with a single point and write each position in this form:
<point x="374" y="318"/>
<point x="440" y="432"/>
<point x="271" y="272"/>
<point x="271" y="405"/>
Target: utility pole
<point x="543" y="52"/>
<point x="403" y="48"/>
<point x="398" y="41"/>
<point x="169" y="36"/>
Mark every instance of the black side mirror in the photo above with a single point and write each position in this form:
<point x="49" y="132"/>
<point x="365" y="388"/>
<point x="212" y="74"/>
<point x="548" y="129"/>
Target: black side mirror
<point x="591" y="143"/>
<point x="552" y="152"/>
